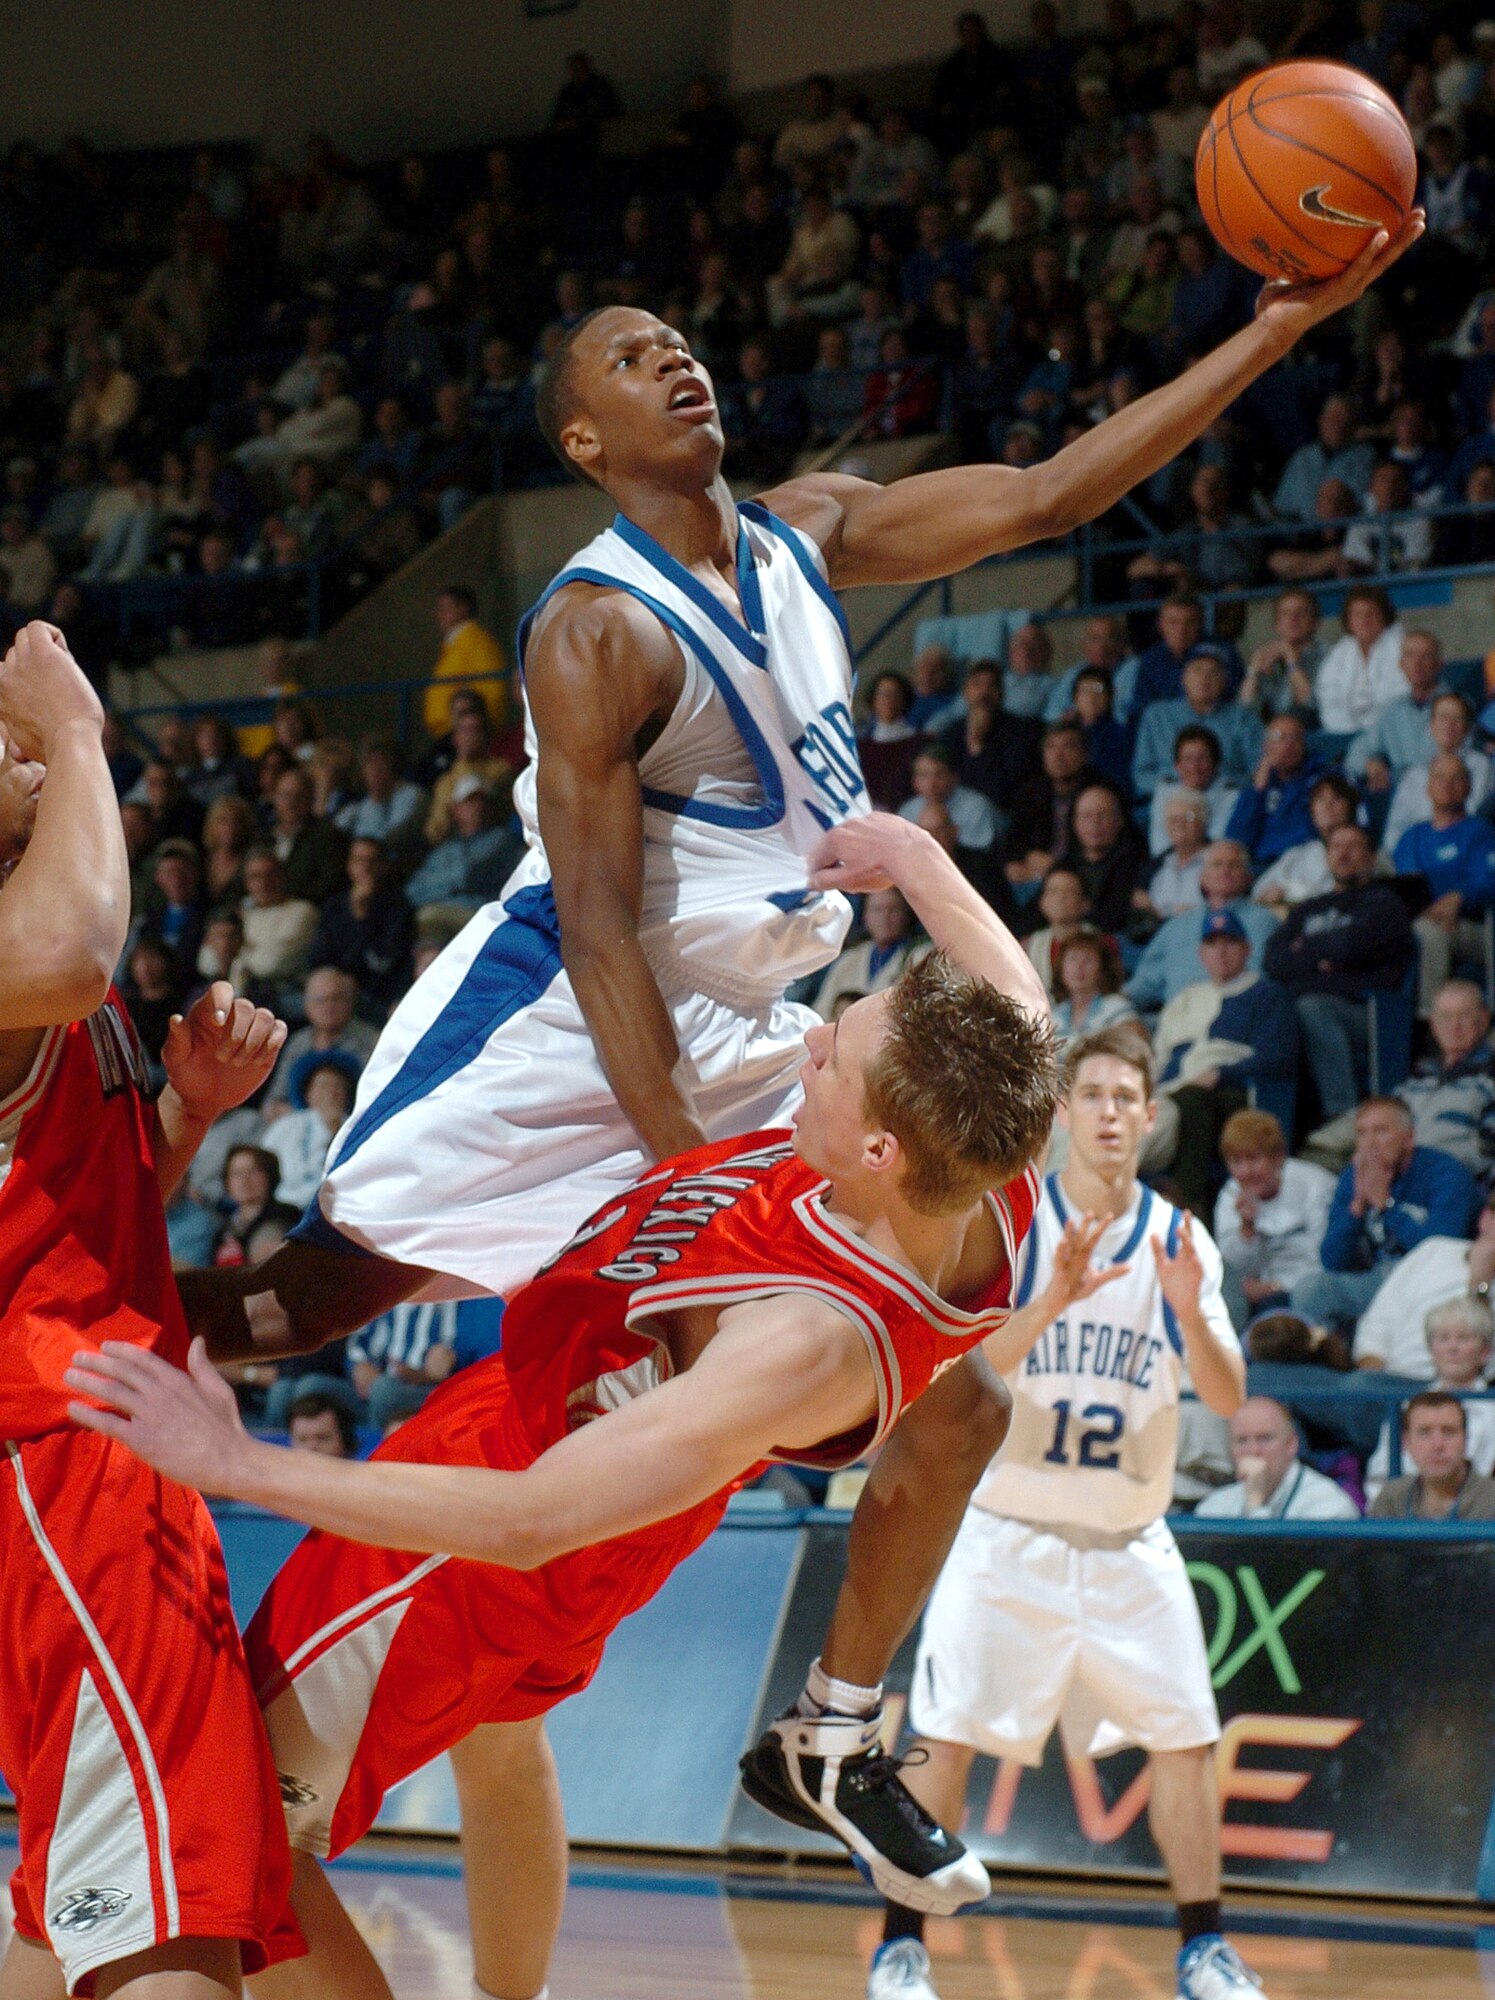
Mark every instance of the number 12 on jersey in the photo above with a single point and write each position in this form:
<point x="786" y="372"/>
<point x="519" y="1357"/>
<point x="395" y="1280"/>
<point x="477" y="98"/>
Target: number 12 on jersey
<point x="1103" y="1424"/>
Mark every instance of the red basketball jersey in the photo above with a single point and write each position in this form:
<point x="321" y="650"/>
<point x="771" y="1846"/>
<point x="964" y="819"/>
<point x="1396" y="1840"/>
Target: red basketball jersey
<point x="736" y="1220"/>
<point x="83" y="1252"/>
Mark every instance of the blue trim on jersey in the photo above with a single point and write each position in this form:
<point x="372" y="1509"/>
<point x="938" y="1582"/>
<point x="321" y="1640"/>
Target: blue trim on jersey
<point x="1029" y="1254"/>
<point x="753" y="818"/>
<point x="314" y="1228"/>
<point x="756" y="511"/>
<point x="1170" y="1317"/>
<point x="643" y="544"/>
<point x="519" y="959"/>
<point x="750" y="589"/>
<point x="1052" y="1184"/>
<point x="1139" y="1230"/>
<point x="789" y="899"/>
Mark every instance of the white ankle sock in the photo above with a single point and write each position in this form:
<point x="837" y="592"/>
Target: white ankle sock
<point x="824" y="1692"/>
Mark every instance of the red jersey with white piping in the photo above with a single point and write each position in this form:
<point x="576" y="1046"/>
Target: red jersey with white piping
<point x="83" y="1250"/>
<point x="741" y="1219"/>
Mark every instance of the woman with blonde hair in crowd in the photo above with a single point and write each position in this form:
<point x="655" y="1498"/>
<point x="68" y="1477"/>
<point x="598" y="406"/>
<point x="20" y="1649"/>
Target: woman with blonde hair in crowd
<point x="228" y="832"/>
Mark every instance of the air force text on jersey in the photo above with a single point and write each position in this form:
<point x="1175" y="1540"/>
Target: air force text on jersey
<point x="1096" y="1348"/>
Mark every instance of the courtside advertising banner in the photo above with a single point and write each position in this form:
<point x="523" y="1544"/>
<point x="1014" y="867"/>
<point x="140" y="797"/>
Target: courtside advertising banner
<point x="1354" y="1669"/>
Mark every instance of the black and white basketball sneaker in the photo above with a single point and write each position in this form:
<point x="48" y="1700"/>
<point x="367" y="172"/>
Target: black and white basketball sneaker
<point x="831" y="1773"/>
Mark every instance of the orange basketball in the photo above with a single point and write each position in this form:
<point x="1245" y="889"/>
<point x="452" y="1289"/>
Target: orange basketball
<point x="1300" y="165"/>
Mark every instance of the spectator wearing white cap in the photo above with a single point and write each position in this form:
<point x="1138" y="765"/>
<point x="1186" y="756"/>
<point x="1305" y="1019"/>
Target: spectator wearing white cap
<point x="470" y="867"/>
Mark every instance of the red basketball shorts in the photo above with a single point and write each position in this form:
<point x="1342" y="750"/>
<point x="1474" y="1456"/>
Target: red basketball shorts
<point x="128" y="1733"/>
<point x="368" y="1663"/>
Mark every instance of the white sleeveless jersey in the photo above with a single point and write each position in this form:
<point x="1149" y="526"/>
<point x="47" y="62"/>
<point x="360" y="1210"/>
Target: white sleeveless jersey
<point x="757" y="760"/>
<point x="1094" y="1429"/>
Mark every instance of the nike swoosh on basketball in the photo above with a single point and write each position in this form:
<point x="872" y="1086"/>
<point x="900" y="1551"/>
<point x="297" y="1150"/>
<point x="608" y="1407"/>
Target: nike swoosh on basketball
<point x="1312" y="202"/>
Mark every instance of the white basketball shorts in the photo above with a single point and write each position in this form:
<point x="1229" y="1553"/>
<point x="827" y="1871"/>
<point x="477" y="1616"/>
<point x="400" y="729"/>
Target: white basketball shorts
<point x="484" y="1131"/>
<point x="1030" y="1626"/>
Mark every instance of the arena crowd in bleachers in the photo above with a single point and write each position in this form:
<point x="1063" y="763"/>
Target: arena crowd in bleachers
<point x="233" y="398"/>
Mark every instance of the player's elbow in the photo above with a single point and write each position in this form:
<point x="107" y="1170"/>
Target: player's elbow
<point x="1055" y="502"/>
<point x="516" y="1536"/>
<point x="66" y="982"/>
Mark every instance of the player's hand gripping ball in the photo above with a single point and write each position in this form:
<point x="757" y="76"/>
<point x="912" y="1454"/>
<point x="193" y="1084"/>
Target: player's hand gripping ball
<point x="1300" y="166"/>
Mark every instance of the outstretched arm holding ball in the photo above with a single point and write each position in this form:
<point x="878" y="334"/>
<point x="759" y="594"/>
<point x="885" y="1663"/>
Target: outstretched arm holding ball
<point x="939" y="522"/>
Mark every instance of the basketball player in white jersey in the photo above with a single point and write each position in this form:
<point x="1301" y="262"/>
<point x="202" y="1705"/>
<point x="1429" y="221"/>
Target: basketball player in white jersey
<point x="1065" y="1598"/>
<point x="688" y="685"/>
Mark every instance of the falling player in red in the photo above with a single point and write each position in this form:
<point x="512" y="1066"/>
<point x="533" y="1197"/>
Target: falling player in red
<point x="127" y="1722"/>
<point x="783" y="1295"/>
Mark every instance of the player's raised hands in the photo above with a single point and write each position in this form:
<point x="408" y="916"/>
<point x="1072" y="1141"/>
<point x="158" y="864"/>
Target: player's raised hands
<point x="43" y="691"/>
<point x="185" y="1423"/>
<point x="221" y="1051"/>
<point x="1181" y="1276"/>
<point x="1074" y="1276"/>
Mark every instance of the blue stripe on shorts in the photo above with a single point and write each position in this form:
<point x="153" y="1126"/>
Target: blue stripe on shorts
<point x="519" y="960"/>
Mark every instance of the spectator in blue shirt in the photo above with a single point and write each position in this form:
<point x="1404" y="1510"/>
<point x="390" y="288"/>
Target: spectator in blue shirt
<point x="978" y="823"/>
<point x="1401" y="734"/>
<point x="1204" y="704"/>
<point x="389" y="800"/>
<point x="1196" y="768"/>
<point x="1425" y="465"/>
<point x="1108" y="743"/>
<point x="1273" y="814"/>
<point x="1160" y="669"/>
<point x="471" y="867"/>
<point x="1454" y="852"/>
<point x="1391" y="1197"/>
<point x="936" y="703"/>
<point x="1333" y="454"/>
<point x="939" y="253"/>
<point x="398" y="1359"/>
<point x="1477" y="376"/>
<point x="1213" y="548"/>
<point x="1170" y="961"/>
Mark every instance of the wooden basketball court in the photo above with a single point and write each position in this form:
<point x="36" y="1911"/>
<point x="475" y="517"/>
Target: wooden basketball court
<point x="650" y="1931"/>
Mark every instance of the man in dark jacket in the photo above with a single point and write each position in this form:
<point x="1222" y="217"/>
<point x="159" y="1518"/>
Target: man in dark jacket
<point x="311" y="851"/>
<point x="1330" y="953"/>
<point x="994" y="753"/>
<point x="1108" y="854"/>
<point x="1043" y="806"/>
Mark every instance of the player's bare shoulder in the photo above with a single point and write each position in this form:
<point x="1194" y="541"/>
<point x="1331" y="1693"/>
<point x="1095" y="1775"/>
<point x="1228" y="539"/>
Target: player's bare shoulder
<point x="817" y="504"/>
<point x="598" y="652"/>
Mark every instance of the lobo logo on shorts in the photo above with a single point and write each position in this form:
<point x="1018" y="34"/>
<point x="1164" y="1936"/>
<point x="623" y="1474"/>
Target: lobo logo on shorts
<point x="87" y="1908"/>
<point x="296" y="1791"/>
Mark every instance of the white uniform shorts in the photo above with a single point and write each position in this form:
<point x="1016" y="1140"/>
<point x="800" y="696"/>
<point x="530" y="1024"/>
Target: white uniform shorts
<point x="485" y="1132"/>
<point x="1029" y="1626"/>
